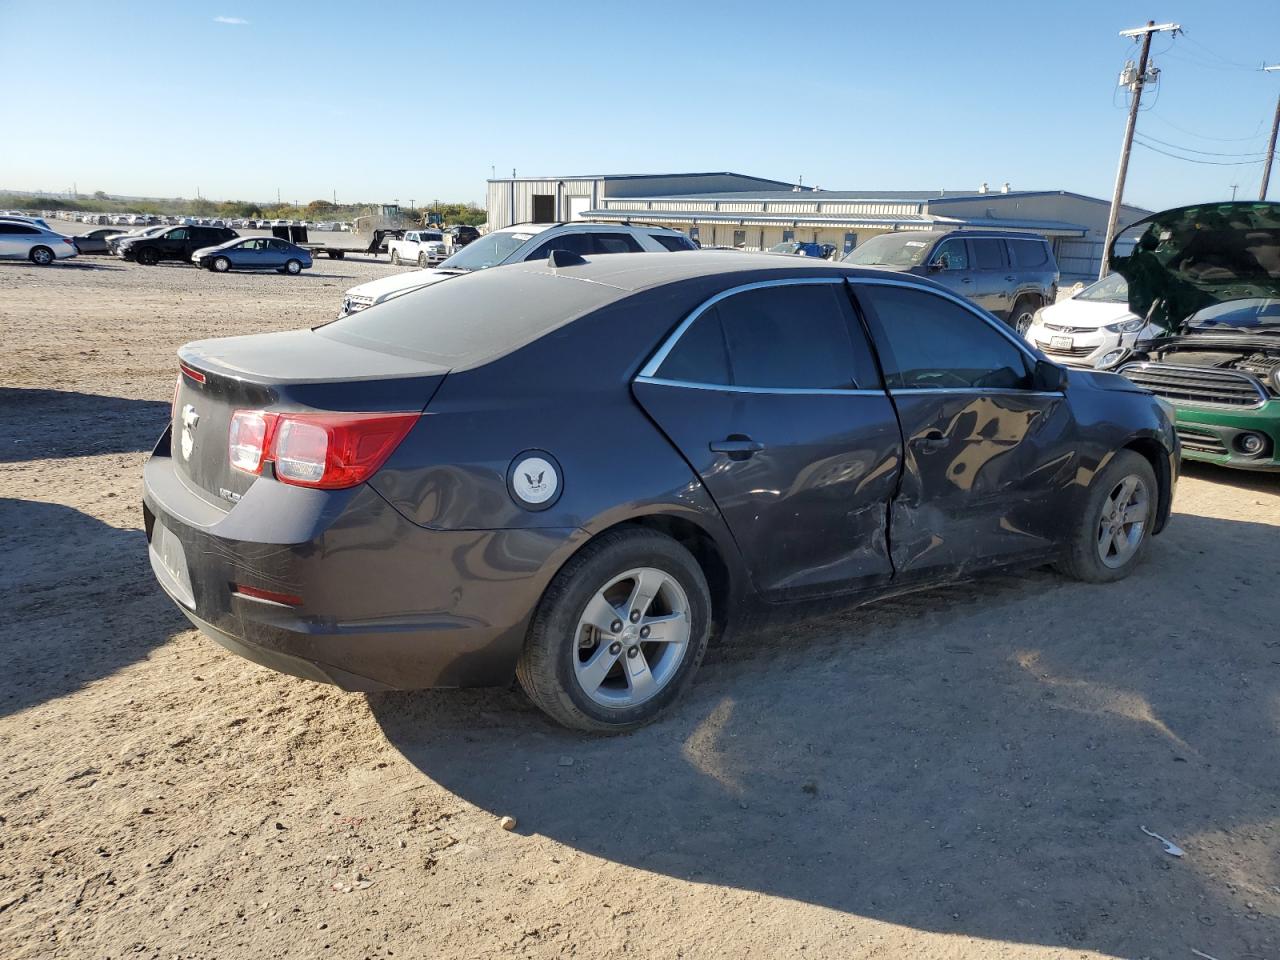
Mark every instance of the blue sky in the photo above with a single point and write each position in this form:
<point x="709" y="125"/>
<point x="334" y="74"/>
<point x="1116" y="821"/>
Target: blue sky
<point x="158" y="99"/>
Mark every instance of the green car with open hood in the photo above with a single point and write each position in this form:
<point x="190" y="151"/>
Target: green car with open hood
<point x="1210" y="274"/>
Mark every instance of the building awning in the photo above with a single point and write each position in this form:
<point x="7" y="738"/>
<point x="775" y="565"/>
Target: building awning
<point x="1049" y="228"/>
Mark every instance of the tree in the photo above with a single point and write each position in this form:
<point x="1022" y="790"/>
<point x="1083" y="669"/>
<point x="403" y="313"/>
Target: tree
<point x="100" y="195"/>
<point x="319" y="210"/>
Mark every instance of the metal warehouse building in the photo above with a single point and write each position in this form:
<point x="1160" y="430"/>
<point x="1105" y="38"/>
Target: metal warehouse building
<point x="732" y="210"/>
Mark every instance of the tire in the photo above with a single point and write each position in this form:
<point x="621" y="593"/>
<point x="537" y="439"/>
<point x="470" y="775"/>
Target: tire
<point x="220" y="265"/>
<point x="1087" y="557"/>
<point x="293" y="267"/>
<point x="41" y="256"/>
<point x="563" y="651"/>
<point x="148" y="256"/>
<point x="1022" y="314"/>
<point x="422" y="260"/>
<point x="395" y="258"/>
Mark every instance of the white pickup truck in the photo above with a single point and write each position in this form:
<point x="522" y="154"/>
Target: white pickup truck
<point x="426" y="248"/>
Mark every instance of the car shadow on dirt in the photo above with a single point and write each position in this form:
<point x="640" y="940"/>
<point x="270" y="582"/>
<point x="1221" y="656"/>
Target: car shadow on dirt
<point x="979" y="760"/>
<point x="1257" y="481"/>
<point x="40" y="424"/>
<point x="79" y="602"/>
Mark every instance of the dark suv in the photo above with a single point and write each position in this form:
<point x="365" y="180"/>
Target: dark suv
<point x="176" y="244"/>
<point x="1009" y="274"/>
<point x="462" y="234"/>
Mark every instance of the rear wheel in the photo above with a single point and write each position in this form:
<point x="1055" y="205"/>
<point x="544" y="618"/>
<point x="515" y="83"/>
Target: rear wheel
<point x="1112" y="532"/>
<point x="1022" y="314"/>
<point x="422" y="259"/>
<point x="148" y="256"/>
<point x="619" y="633"/>
<point x="41" y="256"/>
<point x="293" y="267"/>
<point x="395" y="258"/>
<point x="220" y="265"/>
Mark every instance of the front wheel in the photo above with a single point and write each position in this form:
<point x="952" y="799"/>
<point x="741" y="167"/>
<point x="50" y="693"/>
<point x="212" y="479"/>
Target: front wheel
<point x="395" y="258"/>
<point x="221" y="265"/>
<point x="422" y="260"/>
<point x="41" y="256"/>
<point x="293" y="267"/>
<point x="1112" y="532"/>
<point x="148" y="257"/>
<point x="619" y="633"/>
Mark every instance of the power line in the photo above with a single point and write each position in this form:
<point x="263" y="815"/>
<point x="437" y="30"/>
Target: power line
<point x="1212" y="163"/>
<point x="1208" y="153"/>
<point x="1217" y="56"/>
<point x="1257" y="132"/>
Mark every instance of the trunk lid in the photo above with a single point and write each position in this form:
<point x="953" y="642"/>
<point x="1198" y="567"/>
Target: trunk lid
<point x="280" y="372"/>
<point x="1183" y="260"/>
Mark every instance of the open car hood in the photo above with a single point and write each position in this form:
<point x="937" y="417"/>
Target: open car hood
<point x="1183" y="260"/>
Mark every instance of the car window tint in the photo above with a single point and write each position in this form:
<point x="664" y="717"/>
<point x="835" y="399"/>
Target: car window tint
<point x="7" y="228"/>
<point x="700" y="355"/>
<point x="988" y="254"/>
<point x="176" y="235"/>
<point x="927" y="341"/>
<point x="617" y="243"/>
<point x="673" y="243"/>
<point x="278" y="245"/>
<point x="579" y="243"/>
<point x="791" y="336"/>
<point x="1028" y="253"/>
<point x="951" y="255"/>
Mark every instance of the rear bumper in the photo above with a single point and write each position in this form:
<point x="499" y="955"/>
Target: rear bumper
<point x="386" y="604"/>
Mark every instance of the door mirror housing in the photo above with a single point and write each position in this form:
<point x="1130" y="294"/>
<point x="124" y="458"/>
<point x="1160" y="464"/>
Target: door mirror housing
<point x="1049" y="377"/>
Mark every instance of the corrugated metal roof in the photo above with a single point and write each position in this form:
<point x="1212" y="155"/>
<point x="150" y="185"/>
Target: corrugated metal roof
<point x="650" y="176"/>
<point x="904" y="221"/>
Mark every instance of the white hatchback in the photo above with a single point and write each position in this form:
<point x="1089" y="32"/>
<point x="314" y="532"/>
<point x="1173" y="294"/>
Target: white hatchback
<point x="1092" y="328"/>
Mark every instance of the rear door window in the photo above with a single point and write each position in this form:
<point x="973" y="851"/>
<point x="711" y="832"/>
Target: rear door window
<point x="789" y="337"/>
<point x="617" y="243"/>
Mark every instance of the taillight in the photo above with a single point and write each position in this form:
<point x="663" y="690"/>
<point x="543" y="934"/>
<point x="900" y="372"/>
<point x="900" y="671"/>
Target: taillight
<point x="191" y="372"/>
<point x="325" y="450"/>
<point x="247" y="439"/>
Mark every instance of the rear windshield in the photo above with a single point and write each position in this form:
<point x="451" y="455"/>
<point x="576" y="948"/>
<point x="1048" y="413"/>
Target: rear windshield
<point x="470" y="319"/>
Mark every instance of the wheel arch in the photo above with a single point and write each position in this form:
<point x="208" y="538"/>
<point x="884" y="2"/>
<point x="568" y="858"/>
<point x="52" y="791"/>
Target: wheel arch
<point x="1154" y="453"/>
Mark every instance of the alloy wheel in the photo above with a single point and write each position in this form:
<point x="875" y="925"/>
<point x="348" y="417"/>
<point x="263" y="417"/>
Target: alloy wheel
<point x="1123" y="523"/>
<point x="1023" y="323"/>
<point x="631" y="638"/>
<point x="42" y="256"/>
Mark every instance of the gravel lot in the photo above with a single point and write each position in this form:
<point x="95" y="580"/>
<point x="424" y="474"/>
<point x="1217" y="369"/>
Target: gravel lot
<point x="956" y="774"/>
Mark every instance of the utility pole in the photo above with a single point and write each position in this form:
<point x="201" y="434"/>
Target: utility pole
<point x="1139" y="81"/>
<point x="1271" y="147"/>
<point x="1234" y="187"/>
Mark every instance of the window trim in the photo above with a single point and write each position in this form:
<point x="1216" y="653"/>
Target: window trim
<point x="649" y="370"/>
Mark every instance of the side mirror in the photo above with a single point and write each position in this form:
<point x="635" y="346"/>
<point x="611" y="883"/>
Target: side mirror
<point x="1049" y="377"/>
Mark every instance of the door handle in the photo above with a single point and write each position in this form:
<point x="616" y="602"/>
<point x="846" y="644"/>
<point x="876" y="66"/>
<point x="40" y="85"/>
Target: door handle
<point x="737" y="446"/>
<point x="933" y="440"/>
<point x="1011" y="279"/>
<point x="966" y="279"/>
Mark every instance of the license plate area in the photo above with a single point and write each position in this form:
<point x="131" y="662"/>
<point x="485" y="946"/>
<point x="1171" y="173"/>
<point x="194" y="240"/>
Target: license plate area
<point x="1061" y="343"/>
<point x="169" y="563"/>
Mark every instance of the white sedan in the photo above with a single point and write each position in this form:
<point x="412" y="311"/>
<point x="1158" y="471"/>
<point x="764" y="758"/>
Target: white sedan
<point x="1091" y="328"/>
<point x="21" y="240"/>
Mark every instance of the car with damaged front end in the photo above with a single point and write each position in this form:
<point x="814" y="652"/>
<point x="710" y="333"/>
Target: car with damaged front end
<point x="577" y="471"/>
<point x="1210" y="274"/>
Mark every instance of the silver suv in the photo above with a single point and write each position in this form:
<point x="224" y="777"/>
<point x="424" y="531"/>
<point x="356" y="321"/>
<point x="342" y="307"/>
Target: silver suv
<point x="1009" y="274"/>
<point x="515" y="244"/>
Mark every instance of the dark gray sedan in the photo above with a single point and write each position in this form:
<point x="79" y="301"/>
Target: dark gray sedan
<point x="254" y="253"/>
<point x="95" y="241"/>
<point x="579" y="472"/>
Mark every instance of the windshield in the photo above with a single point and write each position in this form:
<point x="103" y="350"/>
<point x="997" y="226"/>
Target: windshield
<point x="1113" y="288"/>
<point x="891" y="250"/>
<point x="788" y="247"/>
<point x="1260" y="312"/>
<point x="488" y="251"/>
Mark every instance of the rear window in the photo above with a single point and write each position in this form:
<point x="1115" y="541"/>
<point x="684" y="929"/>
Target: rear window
<point x="987" y="254"/>
<point x="470" y="319"/>
<point x="1028" y="253"/>
<point x="673" y="243"/>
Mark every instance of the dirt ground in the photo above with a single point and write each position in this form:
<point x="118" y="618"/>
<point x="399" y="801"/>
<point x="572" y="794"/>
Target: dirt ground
<point x="957" y="774"/>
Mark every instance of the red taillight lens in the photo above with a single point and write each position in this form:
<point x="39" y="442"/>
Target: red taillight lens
<point x="191" y="372"/>
<point x="325" y="450"/>
<point x="247" y="439"/>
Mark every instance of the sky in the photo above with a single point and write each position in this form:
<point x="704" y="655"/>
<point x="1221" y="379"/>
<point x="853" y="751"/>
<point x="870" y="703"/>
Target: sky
<point x="404" y="101"/>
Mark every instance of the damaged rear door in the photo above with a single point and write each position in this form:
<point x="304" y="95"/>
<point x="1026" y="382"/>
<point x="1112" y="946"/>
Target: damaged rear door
<point x="771" y="393"/>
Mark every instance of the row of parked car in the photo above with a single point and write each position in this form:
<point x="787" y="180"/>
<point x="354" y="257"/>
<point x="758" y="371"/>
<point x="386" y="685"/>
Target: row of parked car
<point x="151" y="219"/>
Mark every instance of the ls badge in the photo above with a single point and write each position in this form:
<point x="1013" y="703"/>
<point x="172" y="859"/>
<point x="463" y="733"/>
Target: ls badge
<point x="534" y="480"/>
<point x="189" y="420"/>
